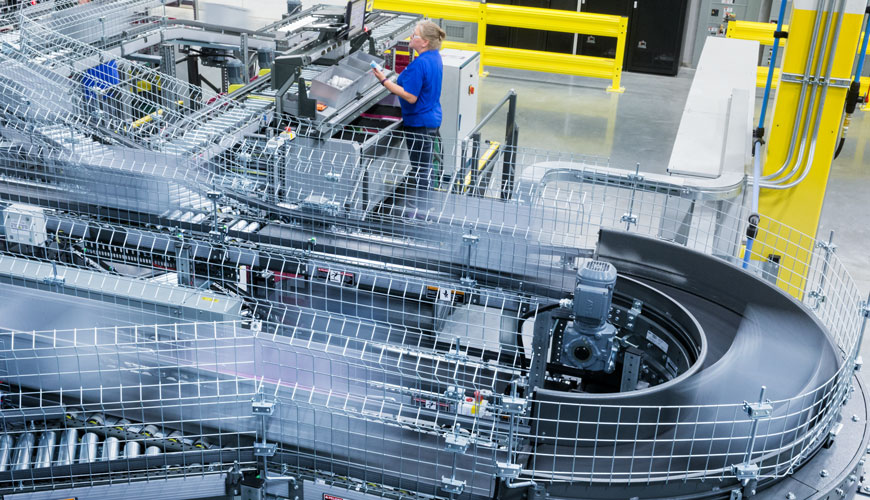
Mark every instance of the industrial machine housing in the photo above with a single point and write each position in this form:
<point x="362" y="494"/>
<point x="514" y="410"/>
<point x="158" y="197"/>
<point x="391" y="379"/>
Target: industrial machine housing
<point x="237" y="293"/>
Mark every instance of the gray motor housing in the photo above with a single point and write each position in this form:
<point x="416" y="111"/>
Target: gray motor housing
<point x="589" y="345"/>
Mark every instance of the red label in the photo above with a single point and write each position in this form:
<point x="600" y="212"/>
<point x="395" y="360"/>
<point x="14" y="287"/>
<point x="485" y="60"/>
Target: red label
<point x="331" y="497"/>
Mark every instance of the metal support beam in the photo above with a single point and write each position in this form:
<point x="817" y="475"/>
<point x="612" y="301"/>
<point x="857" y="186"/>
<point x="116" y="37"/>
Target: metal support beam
<point x="245" y="57"/>
<point x="801" y="146"/>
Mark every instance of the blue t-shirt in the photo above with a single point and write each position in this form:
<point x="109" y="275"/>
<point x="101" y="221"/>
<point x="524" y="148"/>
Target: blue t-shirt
<point x="422" y="78"/>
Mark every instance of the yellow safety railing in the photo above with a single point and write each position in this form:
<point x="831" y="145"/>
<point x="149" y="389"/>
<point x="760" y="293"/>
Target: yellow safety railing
<point x="763" y="34"/>
<point x="532" y="18"/>
<point x="748" y="30"/>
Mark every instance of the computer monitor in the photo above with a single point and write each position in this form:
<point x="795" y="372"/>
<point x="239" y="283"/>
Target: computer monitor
<point x="355" y="17"/>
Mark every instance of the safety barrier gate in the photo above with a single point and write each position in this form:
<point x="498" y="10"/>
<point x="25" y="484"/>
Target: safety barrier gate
<point x="531" y="18"/>
<point x="763" y="34"/>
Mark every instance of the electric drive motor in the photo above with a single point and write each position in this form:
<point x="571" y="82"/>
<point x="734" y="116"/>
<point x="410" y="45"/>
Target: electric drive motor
<point x="589" y="345"/>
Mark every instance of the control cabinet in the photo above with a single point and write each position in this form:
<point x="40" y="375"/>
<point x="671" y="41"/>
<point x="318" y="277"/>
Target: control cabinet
<point x="715" y="15"/>
<point x="458" y="101"/>
<point x="655" y="33"/>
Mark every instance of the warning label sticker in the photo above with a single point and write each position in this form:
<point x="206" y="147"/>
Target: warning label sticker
<point x="658" y="341"/>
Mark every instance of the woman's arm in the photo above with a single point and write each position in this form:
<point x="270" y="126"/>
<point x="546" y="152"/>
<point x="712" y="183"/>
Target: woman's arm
<point x="394" y="87"/>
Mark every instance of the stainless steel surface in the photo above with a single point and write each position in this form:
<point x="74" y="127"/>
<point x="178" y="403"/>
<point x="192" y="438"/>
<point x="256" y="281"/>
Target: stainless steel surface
<point x="132" y="449"/>
<point x="88" y="448"/>
<point x="6" y="449"/>
<point x="66" y="450"/>
<point x="110" y="448"/>
<point x="24" y="450"/>
<point x="45" y="449"/>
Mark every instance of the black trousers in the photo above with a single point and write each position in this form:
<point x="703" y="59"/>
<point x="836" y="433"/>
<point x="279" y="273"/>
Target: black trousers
<point x="420" y="141"/>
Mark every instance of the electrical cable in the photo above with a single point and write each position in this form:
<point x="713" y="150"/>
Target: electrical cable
<point x="863" y="52"/>
<point x="777" y="35"/>
<point x="854" y="93"/>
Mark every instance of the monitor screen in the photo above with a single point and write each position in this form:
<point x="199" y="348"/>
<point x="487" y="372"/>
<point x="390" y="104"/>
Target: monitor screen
<point x="355" y="17"/>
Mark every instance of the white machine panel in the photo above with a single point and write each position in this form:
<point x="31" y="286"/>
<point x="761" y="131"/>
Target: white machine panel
<point x="715" y="134"/>
<point x="458" y="101"/>
<point x="24" y="224"/>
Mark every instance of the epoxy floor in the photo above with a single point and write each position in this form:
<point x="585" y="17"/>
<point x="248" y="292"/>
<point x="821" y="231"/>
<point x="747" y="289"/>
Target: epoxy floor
<point x="564" y="113"/>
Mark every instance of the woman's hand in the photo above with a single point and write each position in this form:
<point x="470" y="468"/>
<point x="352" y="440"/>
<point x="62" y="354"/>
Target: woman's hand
<point x="378" y="74"/>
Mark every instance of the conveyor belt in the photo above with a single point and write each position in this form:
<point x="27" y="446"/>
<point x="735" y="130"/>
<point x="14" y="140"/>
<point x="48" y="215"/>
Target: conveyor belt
<point x="757" y="336"/>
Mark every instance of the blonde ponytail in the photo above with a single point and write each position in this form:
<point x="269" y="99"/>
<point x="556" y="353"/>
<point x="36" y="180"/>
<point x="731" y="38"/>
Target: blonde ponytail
<point x="432" y="33"/>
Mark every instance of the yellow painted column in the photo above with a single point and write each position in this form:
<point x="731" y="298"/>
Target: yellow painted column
<point x="798" y="208"/>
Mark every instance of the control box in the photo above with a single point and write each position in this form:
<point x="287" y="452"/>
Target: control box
<point x="24" y="224"/>
<point x="458" y="103"/>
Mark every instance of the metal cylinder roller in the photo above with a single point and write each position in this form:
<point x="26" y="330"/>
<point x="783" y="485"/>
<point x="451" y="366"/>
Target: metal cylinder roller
<point x="88" y="448"/>
<point x="45" y="449"/>
<point x="24" y="450"/>
<point x="110" y="448"/>
<point x="6" y="445"/>
<point x="66" y="451"/>
<point x="132" y="449"/>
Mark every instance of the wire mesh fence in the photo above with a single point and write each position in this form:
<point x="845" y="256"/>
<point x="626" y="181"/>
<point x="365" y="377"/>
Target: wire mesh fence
<point x="365" y="282"/>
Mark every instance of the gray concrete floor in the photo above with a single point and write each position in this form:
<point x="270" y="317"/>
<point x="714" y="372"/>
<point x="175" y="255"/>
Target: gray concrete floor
<point x="564" y="113"/>
<point x="576" y="114"/>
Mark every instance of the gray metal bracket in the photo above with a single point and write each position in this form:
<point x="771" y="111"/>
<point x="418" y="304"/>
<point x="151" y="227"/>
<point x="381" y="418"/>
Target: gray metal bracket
<point x="630" y="369"/>
<point x="262" y="408"/>
<point x="545" y="327"/>
<point x="829" y="82"/>
<point x="452" y="485"/>
<point x="505" y="470"/>
<point x="745" y="471"/>
<point x="513" y="405"/>
<point x="455" y="441"/>
<point x="629" y="218"/>
<point x="469" y="241"/>
<point x="264" y="449"/>
<point x="832" y="435"/>
<point x="54" y="279"/>
<point x="633" y="313"/>
<point x="761" y="409"/>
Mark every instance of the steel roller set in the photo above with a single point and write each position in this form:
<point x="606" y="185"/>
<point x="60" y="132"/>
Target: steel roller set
<point x="242" y="289"/>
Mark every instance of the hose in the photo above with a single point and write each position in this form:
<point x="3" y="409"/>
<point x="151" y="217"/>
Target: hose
<point x="751" y="233"/>
<point x="863" y="52"/>
<point x="852" y="98"/>
<point x="839" y="147"/>
<point x="776" y="36"/>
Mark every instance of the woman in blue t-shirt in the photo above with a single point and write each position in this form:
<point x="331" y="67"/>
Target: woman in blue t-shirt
<point x="419" y="91"/>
